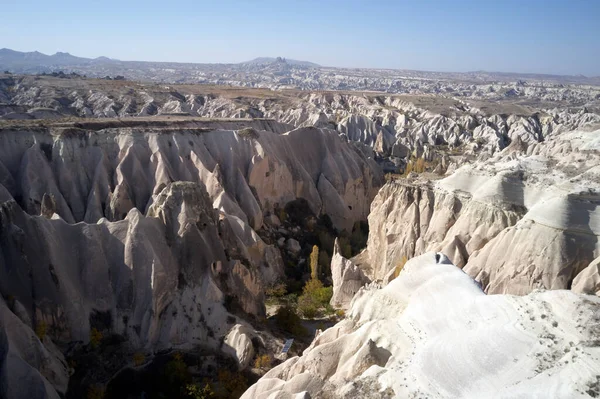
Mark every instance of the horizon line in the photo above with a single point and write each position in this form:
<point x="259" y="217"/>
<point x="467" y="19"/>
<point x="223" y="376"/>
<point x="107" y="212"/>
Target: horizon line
<point x="311" y="62"/>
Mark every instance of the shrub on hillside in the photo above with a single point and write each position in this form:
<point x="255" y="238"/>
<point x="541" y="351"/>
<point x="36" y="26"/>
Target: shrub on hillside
<point x="276" y="290"/>
<point x="176" y="370"/>
<point x="248" y="132"/>
<point x="263" y="362"/>
<point x="314" y="299"/>
<point x="197" y="391"/>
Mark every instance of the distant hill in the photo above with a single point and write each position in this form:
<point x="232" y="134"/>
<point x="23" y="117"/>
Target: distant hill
<point x="272" y="71"/>
<point x="272" y="60"/>
<point x="34" y="60"/>
<point x="11" y="58"/>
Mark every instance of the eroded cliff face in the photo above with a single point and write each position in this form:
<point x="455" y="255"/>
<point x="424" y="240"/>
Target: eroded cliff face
<point x="527" y="218"/>
<point x="389" y="124"/>
<point x="158" y="280"/>
<point x="432" y="332"/>
<point x="105" y="173"/>
<point x="150" y="235"/>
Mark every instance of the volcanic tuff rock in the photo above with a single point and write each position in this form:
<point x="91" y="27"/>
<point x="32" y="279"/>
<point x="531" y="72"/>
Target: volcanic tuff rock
<point x="588" y="280"/>
<point x="146" y="226"/>
<point x="157" y="280"/>
<point x="347" y="278"/>
<point x="432" y="332"/>
<point x="526" y="218"/>
<point x="28" y="368"/>
<point x="92" y="174"/>
<point x="411" y="124"/>
<point x="167" y="247"/>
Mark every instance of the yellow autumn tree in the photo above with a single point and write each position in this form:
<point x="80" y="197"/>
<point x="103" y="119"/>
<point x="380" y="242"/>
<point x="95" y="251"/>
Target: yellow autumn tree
<point x="314" y="263"/>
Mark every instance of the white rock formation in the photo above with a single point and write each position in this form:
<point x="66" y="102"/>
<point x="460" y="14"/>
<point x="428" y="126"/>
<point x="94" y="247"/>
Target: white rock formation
<point x="588" y="281"/>
<point x="153" y="275"/>
<point x="347" y="277"/>
<point x="238" y="343"/>
<point x="379" y="121"/>
<point x="28" y="367"/>
<point x="515" y="222"/>
<point x="154" y="231"/>
<point x="276" y="74"/>
<point x="92" y="174"/>
<point x="162" y="280"/>
<point x="432" y="332"/>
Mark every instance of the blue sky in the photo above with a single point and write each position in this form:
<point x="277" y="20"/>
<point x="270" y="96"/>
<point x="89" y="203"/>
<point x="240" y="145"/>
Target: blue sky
<point x="561" y="37"/>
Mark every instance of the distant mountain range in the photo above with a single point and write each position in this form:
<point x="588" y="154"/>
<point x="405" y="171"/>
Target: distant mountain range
<point x="271" y="60"/>
<point x="18" y="59"/>
<point x="11" y="58"/>
<point x="269" y="72"/>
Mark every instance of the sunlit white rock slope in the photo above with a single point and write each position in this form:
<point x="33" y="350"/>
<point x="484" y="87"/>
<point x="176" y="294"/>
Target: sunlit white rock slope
<point x="526" y="218"/>
<point x="433" y="333"/>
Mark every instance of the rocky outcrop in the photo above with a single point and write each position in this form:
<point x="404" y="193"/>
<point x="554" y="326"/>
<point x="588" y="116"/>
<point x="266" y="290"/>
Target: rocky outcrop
<point x="29" y="367"/>
<point x="433" y="332"/>
<point x="238" y="343"/>
<point x="159" y="281"/>
<point x="588" y="281"/>
<point x="148" y="233"/>
<point x="519" y="221"/>
<point x="90" y="174"/>
<point x="142" y="272"/>
<point x="277" y="75"/>
<point x="347" y="278"/>
<point x="414" y="125"/>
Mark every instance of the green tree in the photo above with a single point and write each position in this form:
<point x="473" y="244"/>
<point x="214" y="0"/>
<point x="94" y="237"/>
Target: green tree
<point x="324" y="261"/>
<point x="345" y="247"/>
